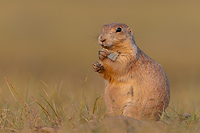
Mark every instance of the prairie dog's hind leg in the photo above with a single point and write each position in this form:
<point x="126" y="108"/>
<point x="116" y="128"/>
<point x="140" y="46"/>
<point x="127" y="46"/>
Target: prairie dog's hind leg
<point x="131" y="110"/>
<point x="135" y="111"/>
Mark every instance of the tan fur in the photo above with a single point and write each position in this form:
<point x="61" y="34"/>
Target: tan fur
<point x="136" y="85"/>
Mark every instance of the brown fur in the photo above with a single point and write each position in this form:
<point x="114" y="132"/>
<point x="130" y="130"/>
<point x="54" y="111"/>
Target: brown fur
<point x="136" y="85"/>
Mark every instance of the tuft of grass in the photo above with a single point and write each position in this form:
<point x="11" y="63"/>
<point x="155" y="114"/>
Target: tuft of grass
<point x="9" y="84"/>
<point x="45" y="111"/>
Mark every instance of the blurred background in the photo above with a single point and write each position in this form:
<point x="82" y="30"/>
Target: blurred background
<point x="55" y="42"/>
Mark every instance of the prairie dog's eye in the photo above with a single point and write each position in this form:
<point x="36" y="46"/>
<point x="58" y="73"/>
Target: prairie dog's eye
<point x="119" y="29"/>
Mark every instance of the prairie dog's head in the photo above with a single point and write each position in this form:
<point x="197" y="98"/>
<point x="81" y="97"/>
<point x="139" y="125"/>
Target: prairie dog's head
<point x="115" y="35"/>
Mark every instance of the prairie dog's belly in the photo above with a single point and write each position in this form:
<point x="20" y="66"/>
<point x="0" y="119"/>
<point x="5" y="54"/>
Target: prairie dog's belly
<point x="117" y="95"/>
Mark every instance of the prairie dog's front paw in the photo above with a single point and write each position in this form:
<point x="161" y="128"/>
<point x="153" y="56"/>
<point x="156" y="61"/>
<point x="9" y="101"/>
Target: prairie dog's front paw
<point x="97" y="67"/>
<point x="103" y="53"/>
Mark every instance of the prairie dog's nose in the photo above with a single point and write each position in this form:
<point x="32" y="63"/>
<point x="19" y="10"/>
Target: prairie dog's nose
<point x="102" y="39"/>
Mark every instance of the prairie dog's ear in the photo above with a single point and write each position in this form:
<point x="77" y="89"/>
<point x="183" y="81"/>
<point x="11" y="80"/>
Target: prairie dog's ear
<point x="130" y="31"/>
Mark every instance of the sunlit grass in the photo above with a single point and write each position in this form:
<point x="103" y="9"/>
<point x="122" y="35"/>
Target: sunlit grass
<point x="82" y="111"/>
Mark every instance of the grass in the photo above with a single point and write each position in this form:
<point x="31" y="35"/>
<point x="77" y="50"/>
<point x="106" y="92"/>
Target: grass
<point x="61" y="112"/>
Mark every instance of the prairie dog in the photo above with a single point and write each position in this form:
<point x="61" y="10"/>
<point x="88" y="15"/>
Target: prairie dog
<point x="136" y="85"/>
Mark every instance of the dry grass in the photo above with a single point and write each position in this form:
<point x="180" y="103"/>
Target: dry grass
<point x="85" y="112"/>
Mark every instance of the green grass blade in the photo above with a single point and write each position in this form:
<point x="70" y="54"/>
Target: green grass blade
<point x="95" y="103"/>
<point x="45" y="111"/>
<point x="50" y="107"/>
